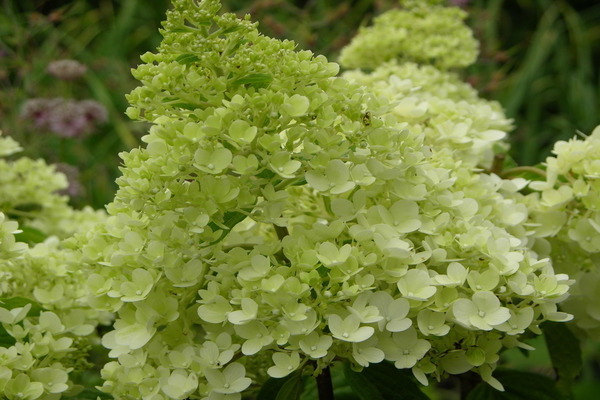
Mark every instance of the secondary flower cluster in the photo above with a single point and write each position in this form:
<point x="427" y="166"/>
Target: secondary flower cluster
<point x="424" y="32"/>
<point x="566" y="217"/>
<point x="46" y="324"/>
<point x="64" y="117"/>
<point x="445" y="109"/>
<point x="281" y="218"/>
<point x="29" y="195"/>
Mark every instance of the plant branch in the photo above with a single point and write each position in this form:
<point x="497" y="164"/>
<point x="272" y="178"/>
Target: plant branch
<point x="498" y="164"/>
<point x="324" y="385"/>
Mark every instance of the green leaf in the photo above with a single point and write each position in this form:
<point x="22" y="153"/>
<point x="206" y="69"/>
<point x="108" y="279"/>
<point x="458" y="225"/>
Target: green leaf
<point x="292" y="389"/>
<point x="91" y="394"/>
<point x="30" y="235"/>
<point x="518" y="385"/>
<point x="383" y="381"/>
<point x="29" y="207"/>
<point x="255" y="80"/>
<point x="182" y="30"/>
<point x="271" y="388"/>
<point x="187" y="59"/>
<point x="361" y="385"/>
<point x="6" y="340"/>
<point x="288" y="388"/>
<point x="187" y="106"/>
<point x="230" y="29"/>
<point x="565" y="353"/>
<point x="14" y="302"/>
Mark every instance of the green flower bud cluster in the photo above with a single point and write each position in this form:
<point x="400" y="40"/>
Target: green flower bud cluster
<point x="281" y="218"/>
<point x="566" y="219"/>
<point x="29" y="195"/>
<point x="422" y="31"/>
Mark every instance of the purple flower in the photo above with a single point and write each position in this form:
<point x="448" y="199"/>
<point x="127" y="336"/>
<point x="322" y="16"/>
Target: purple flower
<point x="64" y="117"/>
<point x="68" y="120"/>
<point x="94" y="111"/>
<point x="66" y="69"/>
<point x="39" y="110"/>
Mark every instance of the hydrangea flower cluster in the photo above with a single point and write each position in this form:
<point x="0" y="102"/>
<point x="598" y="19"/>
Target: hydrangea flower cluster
<point x="29" y="195"/>
<point x="565" y="218"/>
<point x="423" y="32"/>
<point x="65" y="117"/>
<point x="282" y="218"/>
<point x="46" y="324"/>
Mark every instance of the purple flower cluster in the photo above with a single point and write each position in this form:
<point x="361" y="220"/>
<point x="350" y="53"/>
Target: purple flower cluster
<point x="64" y="117"/>
<point x="66" y="69"/>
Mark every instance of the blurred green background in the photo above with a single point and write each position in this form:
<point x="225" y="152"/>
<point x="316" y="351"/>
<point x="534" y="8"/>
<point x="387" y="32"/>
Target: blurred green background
<point x="539" y="58"/>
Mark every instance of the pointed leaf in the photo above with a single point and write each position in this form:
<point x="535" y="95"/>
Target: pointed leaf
<point x="255" y="80"/>
<point x="384" y="381"/>
<point x="565" y="353"/>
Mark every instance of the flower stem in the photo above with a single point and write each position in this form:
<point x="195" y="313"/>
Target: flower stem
<point x="324" y="385"/>
<point x="519" y="170"/>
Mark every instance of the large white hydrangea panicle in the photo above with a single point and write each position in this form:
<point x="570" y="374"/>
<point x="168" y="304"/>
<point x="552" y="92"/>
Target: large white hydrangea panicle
<point x="566" y="218"/>
<point x="281" y="219"/>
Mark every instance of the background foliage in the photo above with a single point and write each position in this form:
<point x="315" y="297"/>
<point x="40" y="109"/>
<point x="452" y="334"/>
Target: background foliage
<point x="539" y="58"/>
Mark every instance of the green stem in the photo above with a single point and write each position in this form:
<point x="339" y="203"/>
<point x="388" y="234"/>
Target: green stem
<point x="518" y="170"/>
<point x="498" y="164"/>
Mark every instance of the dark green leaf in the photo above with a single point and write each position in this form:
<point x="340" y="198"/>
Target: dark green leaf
<point x="187" y="59"/>
<point x="169" y="99"/>
<point x="15" y="302"/>
<point x="187" y="106"/>
<point x="230" y="29"/>
<point x="5" y="339"/>
<point x="483" y="391"/>
<point x="361" y="385"/>
<point x="91" y="394"/>
<point x="384" y="381"/>
<point x="518" y="385"/>
<point x="230" y="219"/>
<point x="288" y="388"/>
<point x="255" y="80"/>
<point x="565" y="353"/>
<point x="30" y="235"/>
<point x="200" y="22"/>
<point x="266" y="173"/>
<point x="184" y="29"/>
<point x="29" y="207"/>
<point x="271" y="388"/>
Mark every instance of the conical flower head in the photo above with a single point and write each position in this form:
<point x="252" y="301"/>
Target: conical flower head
<point x="285" y="208"/>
